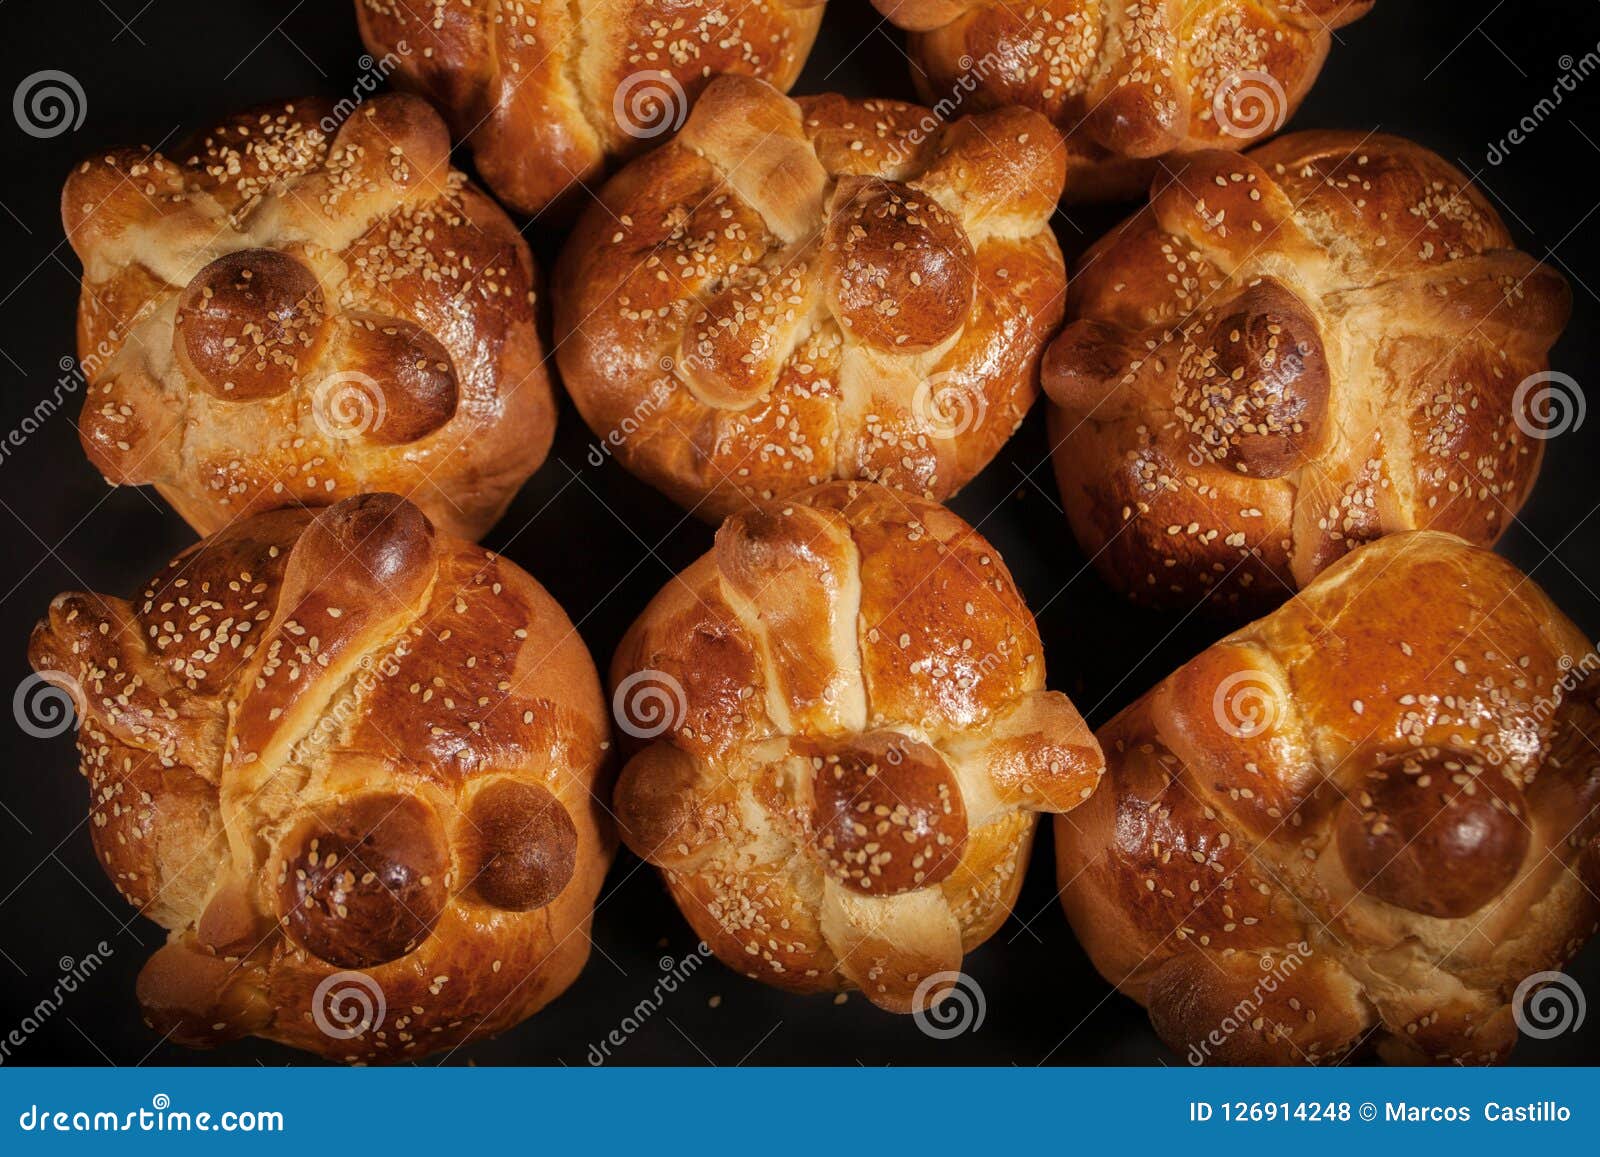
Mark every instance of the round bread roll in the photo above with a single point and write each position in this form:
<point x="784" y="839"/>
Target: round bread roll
<point x="1292" y="352"/>
<point x="846" y="742"/>
<point x="349" y="764"/>
<point x="547" y="93"/>
<point x="1126" y="83"/>
<point x="1365" y="820"/>
<point x="790" y="292"/>
<point x="296" y="309"/>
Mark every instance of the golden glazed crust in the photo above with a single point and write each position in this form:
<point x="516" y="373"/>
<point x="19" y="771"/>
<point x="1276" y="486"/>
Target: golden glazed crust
<point x="547" y="93"/>
<point x="849" y="738"/>
<point x="1361" y="821"/>
<point x="1126" y="83"/>
<point x="792" y="292"/>
<point x="1292" y="352"/>
<point x="295" y="309"/>
<point x="335" y="741"/>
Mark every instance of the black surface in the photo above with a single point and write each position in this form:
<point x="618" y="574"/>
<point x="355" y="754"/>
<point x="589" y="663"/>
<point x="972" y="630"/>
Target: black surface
<point x="1454" y="76"/>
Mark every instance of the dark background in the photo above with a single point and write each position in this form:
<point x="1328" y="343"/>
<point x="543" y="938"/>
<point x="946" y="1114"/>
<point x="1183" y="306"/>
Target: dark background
<point x="1456" y="76"/>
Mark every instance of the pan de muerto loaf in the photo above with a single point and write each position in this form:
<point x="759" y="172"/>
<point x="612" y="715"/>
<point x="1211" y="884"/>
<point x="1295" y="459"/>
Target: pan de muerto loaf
<point x="1364" y="820"/>
<point x="1290" y="353"/>
<point x="850" y="742"/>
<point x="296" y="310"/>
<point x="349" y="764"/>
<point x="791" y="292"/>
<point x="546" y="92"/>
<point x="1126" y="83"/>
